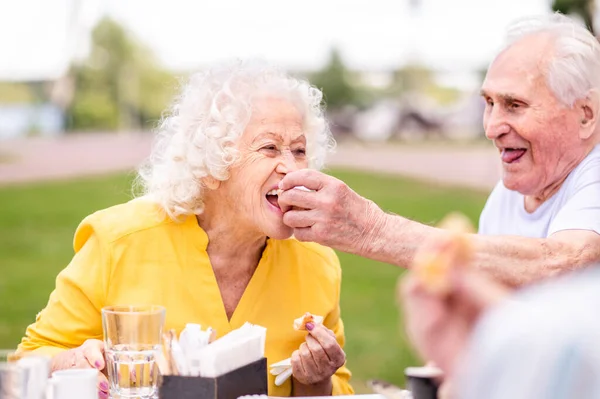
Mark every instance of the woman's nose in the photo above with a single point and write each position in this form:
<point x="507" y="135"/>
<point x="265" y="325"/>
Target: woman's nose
<point x="287" y="163"/>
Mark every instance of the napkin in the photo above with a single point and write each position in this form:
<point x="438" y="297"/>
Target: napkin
<point x="239" y="348"/>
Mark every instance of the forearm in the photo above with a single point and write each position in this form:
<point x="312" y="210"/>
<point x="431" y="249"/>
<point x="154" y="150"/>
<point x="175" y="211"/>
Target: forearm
<point x="394" y="239"/>
<point x="518" y="261"/>
<point x="510" y="259"/>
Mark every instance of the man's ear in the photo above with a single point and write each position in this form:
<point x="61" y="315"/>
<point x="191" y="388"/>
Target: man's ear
<point x="588" y="111"/>
<point x="211" y="183"/>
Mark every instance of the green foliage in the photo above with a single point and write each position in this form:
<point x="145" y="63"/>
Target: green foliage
<point x="36" y="243"/>
<point x="335" y="83"/>
<point x="582" y="8"/>
<point x="15" y="93"/>
<point x="120" y="86"/>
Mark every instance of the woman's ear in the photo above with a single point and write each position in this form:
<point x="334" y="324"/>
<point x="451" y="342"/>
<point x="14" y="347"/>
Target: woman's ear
<point x="211" y="183"/>
<point x="589" y="108"/>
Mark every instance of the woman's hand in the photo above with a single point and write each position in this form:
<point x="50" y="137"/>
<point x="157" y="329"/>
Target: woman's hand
<point x="88" y="355"/>
<point x="316" y="361"/>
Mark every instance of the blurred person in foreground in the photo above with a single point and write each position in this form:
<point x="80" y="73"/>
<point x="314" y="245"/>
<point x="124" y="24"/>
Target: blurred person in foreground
<point x="543" y="218"/>
<point x="490" y="342"/>
<point x="207" y="240"/>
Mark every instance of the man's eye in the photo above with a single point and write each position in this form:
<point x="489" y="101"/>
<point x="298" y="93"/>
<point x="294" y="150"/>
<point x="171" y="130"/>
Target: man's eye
<point x="269" y="148"/>
<point x="300" y="151"/>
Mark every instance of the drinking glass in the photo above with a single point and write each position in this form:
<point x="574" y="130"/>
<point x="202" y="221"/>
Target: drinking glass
<point x="132" y="335"/>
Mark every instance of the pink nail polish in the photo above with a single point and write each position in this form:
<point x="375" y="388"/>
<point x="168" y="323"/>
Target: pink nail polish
<point x="310" y="326"/>
<point x="103" y="395"/>
<point x="98" y="364"/>
<point x="104" y="386"/>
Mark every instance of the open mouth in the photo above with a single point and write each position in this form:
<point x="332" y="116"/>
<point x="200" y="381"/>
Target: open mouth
<point x="510" y="155"/>
<point x="272" y="198"/>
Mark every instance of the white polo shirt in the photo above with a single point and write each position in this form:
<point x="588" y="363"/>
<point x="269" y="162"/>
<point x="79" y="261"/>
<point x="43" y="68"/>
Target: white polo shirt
<point x="576" y="205"/>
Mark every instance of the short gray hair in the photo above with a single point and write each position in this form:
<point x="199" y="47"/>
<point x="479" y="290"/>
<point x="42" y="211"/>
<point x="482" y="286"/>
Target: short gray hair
<point x="197" y="137"/>
<point x="574" y="68"/>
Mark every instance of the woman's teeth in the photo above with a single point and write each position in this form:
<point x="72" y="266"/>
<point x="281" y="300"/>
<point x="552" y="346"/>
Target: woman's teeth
<point x="273" y="192"/>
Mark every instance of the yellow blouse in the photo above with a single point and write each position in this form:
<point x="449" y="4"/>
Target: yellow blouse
<point x="130" y="254"/>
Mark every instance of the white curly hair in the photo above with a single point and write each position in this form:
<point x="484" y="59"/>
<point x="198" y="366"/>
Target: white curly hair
<point x="197" y="137"/>
<point x="574" y="67"/>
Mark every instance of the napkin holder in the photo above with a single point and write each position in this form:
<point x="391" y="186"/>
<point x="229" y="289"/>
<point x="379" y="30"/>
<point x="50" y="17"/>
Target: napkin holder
<point x="250" y="379"/>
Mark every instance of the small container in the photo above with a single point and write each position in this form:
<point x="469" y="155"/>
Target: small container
<point x="74" y="384"/>
<point x="423" y="382"/>
<point x="247" y="380"/>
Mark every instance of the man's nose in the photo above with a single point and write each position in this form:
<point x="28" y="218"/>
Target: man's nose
<point x="495" y="124"/>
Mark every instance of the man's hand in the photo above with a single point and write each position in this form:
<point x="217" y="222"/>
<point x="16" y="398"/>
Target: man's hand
<point x="332" y="214"/>
<point x="440" y="325"/>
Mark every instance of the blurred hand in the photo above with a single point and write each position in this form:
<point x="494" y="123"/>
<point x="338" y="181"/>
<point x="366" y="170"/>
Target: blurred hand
<point x="446" y="390"/>
<point x="332" y="214"/>
<point x="316" y="361"/>
<point x="440" y="325"/>
<point x="88" y="355"/>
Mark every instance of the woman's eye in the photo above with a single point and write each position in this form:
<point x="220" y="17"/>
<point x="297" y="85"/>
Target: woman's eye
<point x="300" y="151"/>
<point x="269" y="148"/>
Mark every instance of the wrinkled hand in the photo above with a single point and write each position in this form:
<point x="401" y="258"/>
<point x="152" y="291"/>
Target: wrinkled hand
<point x="316" y="361"/>
<point x="88" y="355"/>
<point x="332" y="214"/>
<point x="440" y="325"/>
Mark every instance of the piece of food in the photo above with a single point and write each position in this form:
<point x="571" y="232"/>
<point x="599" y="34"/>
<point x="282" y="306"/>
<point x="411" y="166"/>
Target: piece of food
<point x="434" y="261"/>
<point x="300" y="322"/>
<point x="457" y="222"/>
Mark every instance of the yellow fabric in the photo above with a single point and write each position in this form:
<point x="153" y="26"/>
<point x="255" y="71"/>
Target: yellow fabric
<point x="131" y="254"/>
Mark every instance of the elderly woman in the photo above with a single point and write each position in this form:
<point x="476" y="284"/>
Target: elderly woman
<point x="207" y="240"/>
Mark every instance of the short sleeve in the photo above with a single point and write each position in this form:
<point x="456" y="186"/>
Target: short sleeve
<point x="581" y="211"/>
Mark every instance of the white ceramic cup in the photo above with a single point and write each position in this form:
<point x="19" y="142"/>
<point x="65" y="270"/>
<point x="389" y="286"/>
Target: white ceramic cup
<point x="74" y="384"/>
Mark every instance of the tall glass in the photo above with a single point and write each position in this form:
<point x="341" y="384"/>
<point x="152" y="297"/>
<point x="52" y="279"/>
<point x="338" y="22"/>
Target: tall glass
<point x="132" y="334"/>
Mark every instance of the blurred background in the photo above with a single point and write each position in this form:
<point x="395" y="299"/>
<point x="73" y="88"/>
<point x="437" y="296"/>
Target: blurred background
<point x="84" y="82"/>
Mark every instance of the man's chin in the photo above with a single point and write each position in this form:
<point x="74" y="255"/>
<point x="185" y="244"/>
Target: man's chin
<point x="514" y="183"/>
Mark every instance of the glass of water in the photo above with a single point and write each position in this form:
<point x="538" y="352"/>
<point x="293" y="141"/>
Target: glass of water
<point x="132" y="334"/>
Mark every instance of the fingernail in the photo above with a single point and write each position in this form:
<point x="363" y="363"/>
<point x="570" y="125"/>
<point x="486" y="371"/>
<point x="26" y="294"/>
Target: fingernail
<point x="310" y="326"/>
<point x="103" y="395"/>
<point x="98" y="364"/>
<point x="280" y="184"/>
<point x="104" y="386"/>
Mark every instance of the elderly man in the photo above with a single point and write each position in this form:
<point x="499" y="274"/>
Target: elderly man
<point x="543" y="218"/>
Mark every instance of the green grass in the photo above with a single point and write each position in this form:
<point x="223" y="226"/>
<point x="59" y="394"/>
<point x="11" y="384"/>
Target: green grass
<point x="38" y="221"/>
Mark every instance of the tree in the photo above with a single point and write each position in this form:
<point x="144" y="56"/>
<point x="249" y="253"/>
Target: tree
<point x="334" y="81"/>
<point x="120" y="85"/>
<point x="584" y="8"/>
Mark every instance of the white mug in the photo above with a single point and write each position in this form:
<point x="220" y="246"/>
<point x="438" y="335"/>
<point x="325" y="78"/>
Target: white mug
<point x="74" y="384"/>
